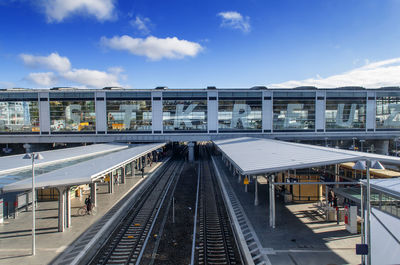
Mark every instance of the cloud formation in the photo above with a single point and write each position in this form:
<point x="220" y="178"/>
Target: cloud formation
<point x="233" y="19"/>
<point x="58" y="10"/>
<point x="46" y="79"/>
<point x="372" y="75"/>
<point x="52" y="62"/>
<point x="141" y="24"/>
<point x="62" y="70"/>
<point x="154" y="48"/>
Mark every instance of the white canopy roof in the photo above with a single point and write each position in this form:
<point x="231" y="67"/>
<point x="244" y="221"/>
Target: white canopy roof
<point x="390" y="186"/>
<point x="13" y="163"/>
<point x="84" y="172"/>
<point x="253" y="156"/>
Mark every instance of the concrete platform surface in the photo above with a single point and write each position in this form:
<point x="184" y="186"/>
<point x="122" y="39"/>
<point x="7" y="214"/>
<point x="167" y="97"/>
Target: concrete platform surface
<point x="302" y="236"/>
<point x="15" y="234"/>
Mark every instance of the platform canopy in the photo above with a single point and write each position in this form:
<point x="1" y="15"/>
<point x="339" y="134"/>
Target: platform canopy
<point x="252" y="156"/>
<point x="85" y="172"/>
<point x="390" y="186"/>
<point x="13" y="163"/>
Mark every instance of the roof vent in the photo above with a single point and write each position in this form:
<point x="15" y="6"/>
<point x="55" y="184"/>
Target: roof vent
<point x="162" y="87"/>
<point x="259" y="88"/>
<point x="63" y="88"/>
<point x="305" y="88"/>
<point x="112" y="88"/>
<point x="350" y="88"/>
<point x="211" y="87"/>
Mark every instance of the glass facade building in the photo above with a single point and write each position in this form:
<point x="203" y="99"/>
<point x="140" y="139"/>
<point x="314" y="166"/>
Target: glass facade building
<point x="72" y="112"/>
<point x="240" y="111"/>
<point x="19" y="113"/>
<point x="129" y="112"/>
<point x="387" y="110"/>
<point x="184" y="112"/>
<point x="345" y="111"/>
<point x="225" y="111"/>
<point x="294" y="111"/>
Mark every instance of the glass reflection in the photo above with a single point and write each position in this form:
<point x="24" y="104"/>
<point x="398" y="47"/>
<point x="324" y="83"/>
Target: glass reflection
<point x="294" y="114"/>
<point x="342" y="114"/>
<point x="184" y="115"/>
<point x="129" y="115"/>
<point x="388" y="112"/>
<point x="19" y="116"/>
<point x="239" y="115"/>
<point x="72" y="116"/>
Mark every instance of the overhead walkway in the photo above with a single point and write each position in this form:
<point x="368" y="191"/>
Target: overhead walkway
<point x="88" y="172"/>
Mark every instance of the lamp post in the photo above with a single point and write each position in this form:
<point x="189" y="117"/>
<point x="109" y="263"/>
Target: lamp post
<point x="366" y="165"/>
<point x="33" y="157"/>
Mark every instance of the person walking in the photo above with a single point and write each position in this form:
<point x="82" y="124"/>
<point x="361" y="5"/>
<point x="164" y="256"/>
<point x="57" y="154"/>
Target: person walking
<point x="88" y="203"/>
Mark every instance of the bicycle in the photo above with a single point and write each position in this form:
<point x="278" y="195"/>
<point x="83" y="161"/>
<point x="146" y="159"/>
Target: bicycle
<point x="83" y="211"/>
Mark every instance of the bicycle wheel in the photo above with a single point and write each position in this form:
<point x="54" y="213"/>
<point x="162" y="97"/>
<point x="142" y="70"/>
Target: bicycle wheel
<point x="82" y="211"/>
<point x="93" y="211"/>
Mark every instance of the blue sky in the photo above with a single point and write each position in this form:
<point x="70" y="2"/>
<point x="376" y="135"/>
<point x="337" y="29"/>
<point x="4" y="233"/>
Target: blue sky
<point x="194" y="44"/>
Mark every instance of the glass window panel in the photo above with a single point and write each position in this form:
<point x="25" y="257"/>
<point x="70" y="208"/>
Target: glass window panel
<point x="294" y="114"/>
<point x="129" y="115"/>
<point x="345" y="113"/>
<point x="239" y="115"/>
<point x="19" y="116"/>
<point x="184" y="115"/>
<point x="388" y="112"/>
<point x="72" y="116"/>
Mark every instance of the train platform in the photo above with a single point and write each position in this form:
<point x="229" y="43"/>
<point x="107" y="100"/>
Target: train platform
<point x="302" y="236"/>
<point x="15" y="234"/>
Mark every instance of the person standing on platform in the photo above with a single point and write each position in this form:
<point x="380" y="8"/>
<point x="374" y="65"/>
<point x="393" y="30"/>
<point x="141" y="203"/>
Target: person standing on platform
<point x="88" y="203"/>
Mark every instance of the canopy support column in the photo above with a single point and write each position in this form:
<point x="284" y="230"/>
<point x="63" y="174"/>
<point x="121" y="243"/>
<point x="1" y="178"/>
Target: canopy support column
<point x="68" y="207"/>
<point x="123" y="171"/>
<point x="111" y="183"/>
<point x="93" y="193"/>
<point x="337" y="175"/>
<point x="256" y="191"/>
<point x="239" y="177"/>
<point x="191" y="151"/>
<point x="326" y="202"/>
<point x="271" y="202"/>
<point x="61" y="209"/>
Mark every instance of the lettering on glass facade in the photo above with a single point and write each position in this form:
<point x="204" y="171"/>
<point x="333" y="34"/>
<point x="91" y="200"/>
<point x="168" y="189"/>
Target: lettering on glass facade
<point x="345" y="113"/>
<point x="294" y="114"/>
<point x="129" y="115"/>
<point x="184" y="112"/>
<point x="239" y="114"/>
<point x="388" y="111"/>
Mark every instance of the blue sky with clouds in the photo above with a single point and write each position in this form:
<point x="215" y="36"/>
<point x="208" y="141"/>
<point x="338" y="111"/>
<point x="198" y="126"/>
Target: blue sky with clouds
<point x="194" y="44"/>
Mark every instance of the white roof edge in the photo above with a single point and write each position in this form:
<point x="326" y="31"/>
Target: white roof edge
<point x="117" y="147"/>
<point x="13" y="187"/>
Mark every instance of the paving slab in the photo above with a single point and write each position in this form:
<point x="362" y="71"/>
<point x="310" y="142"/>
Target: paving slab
<point x="15" y="234"/>
<point x="301" y="236"/>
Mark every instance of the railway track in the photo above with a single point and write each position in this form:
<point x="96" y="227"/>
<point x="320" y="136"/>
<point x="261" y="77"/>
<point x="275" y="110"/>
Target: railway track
<point x="215" y="243"/>
<point x="127" y="243"/>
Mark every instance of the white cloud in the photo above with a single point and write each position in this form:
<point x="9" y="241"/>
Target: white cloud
<point x="63" y="71"/>
<point x="154" y="48"/>
<point x="52" y="62"/>
<point x="92" y="78"/>
<point x="141" y="24"/>
<point x="372" y="75"/>
<point x="235" y="20"/>
<point x="58" y="10"/>
<point x="43" y="79"/>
